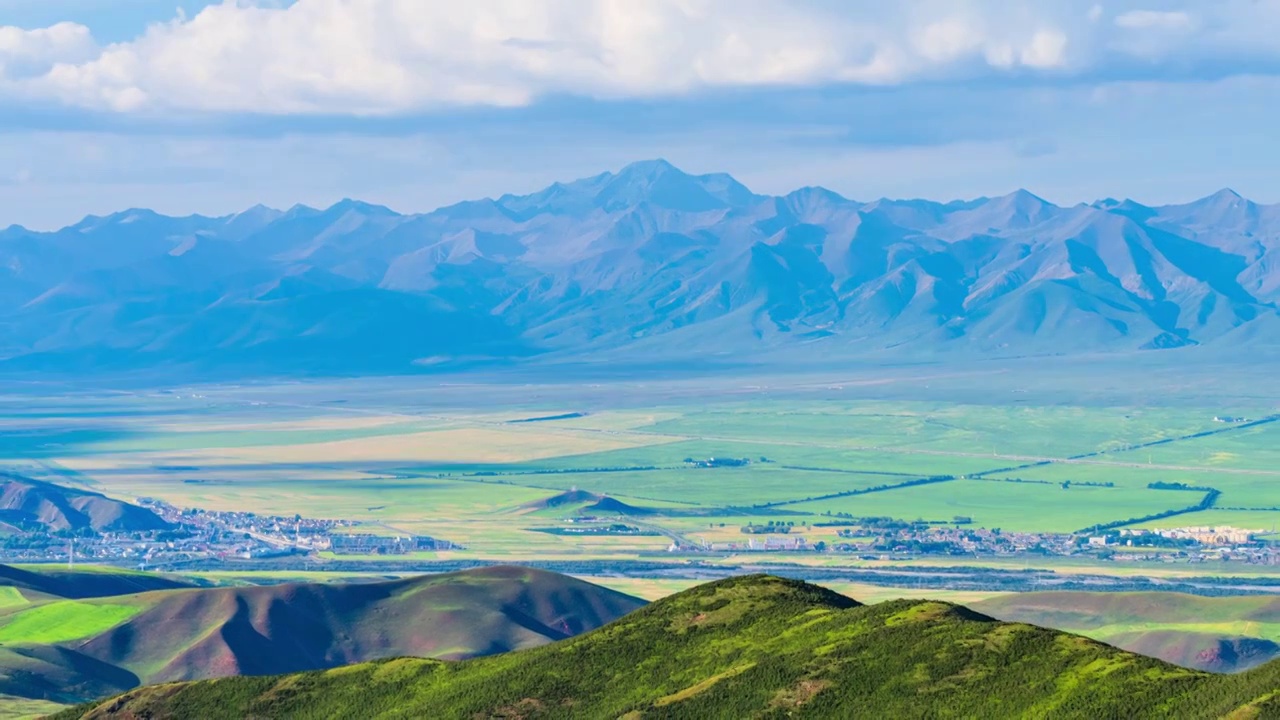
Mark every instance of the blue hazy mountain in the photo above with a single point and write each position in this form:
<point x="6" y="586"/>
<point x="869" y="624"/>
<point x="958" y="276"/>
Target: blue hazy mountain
<point x="648" y="264"/>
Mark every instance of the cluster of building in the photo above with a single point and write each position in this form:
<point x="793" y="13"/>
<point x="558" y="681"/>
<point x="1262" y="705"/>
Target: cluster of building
<point x="201" y="535"/>
<point x="1212" y="536"/>
<point x="371" y="544"/>
<point x="921" y="538"/>
<point x="765" y="544"/>
<point x="879" y="539"/>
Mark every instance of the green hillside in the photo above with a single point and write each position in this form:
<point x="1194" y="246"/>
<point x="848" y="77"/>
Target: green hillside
<point x="77" y="650"/>
<point x="754" y="646"/>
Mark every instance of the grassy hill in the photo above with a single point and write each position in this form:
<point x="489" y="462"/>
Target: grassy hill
<point x="754" y="646"/>
<point x="1222" y="634"/>
<point x="192" y="634"/>
<point x="73" y="650"/>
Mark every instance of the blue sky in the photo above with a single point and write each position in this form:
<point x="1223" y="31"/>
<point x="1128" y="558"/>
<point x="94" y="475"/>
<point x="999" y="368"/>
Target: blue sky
<point x="189" y="106"/>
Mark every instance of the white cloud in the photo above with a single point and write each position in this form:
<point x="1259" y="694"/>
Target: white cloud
<point x="33" y="52"/>
<point x="370" y="57"/>
<point x="1047" y="49"/>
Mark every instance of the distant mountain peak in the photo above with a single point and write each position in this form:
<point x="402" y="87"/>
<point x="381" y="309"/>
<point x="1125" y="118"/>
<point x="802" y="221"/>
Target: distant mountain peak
<point x="650" y="169"/>
<point x="299" y="210"/>
<point x="349" y="205"/>
<point x="813" y="192"/>
<point x="1223" y="200"/>
<point x="659" y="183"/>
<point x="1025" y="194"/>
<point x="257" y="211"/>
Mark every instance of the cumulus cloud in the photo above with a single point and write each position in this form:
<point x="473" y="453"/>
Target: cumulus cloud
<point x="370" y="57"/>
<point x="26" y="53"/>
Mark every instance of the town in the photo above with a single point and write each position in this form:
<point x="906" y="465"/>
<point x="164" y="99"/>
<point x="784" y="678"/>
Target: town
<point x="884" y="538"/>
<point x="191" y="535"/>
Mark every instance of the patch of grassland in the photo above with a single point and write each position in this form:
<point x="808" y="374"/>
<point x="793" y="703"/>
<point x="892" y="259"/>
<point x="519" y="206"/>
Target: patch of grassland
<point x="500" y="444"/>
<point x="11" y="597"/>
<point x="1053" y="431"/>
<point x="645" y="588"/>
<point x="811" y="453"/>
<point x="1246" y="499"/>
<point x="1006" y="505"/>
<point x="750" y="485"/>
<point x="1251" y="448"/>
<point x="253" y="437"/>
<point x="62" y="621"/>
<point x="20" y="708"/>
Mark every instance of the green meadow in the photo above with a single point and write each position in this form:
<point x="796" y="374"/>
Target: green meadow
<point x="20" y="708"/>
<point x="1021" y="507"/>
<point x="63" y="620"/>
<point x="472" y="462"/>
<point x="11" y="597"/>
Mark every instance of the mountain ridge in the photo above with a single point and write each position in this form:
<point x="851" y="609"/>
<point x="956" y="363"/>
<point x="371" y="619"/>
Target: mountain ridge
<point x="750" y="646"/>
<point x="648" y="263"/>
<point x="168" y="632"/>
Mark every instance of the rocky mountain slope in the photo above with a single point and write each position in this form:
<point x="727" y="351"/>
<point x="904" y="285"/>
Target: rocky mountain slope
<point x="646" y="264"/>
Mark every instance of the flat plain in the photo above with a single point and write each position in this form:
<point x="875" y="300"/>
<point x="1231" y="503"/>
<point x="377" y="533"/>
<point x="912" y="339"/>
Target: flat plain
<point x="470" y="459"/>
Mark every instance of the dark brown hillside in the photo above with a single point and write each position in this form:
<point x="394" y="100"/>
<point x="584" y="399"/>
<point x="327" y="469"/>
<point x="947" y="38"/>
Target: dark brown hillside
<point x="82" y="584"/>
<point x="1221" y="634"/>
<point x="285" y="628"/>
<point x="49" y="672"/>
<point x="1202" y="651"/>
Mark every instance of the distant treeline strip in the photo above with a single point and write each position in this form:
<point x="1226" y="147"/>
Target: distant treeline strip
<point x="1207" y="502"/>
<point x="864" y="491"/>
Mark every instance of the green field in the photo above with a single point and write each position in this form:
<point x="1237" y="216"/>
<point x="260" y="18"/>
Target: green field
<point x="11" y="597"/>
<point x="62" y="621"/>
<point x="448" y="461"/>
<point x="959" y="429"/>
<point x="20" y="708"/>
<point x="1018" y="507"/>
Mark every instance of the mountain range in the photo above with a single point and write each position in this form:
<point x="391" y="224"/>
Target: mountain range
<point x="648" y="264"/>
<point x="748" y="647"/>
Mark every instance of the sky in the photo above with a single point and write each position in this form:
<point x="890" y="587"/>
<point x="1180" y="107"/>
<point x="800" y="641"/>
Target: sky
<point x="189" y="106"/>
